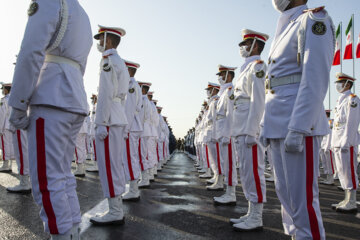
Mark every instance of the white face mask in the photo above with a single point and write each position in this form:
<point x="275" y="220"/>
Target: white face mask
<point x="281" y="5"/>
<point x="100" y="48"/>
<point x="244" y="52"/>
<point x="339" y="87"/>
<point x="221" y="80"/>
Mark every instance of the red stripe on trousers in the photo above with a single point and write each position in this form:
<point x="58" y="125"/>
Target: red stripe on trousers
<point x="332" y="164"/>
<point x="164" y="150"/>
<point x="18" y="134"/>
<point x="218" y="158"/>
<point x="140" y="157"/>
<point x="94" y="150"/>
<point x="3" y="147"/>
<point x="314" y="225"/>
<point x="352" y="167"/>
<point x="256" y="173"/>
<point x="77" y="159"/>
<point x="230" y="164"/>
<point x="108" y="165"/>
<point x="157" y="152"/>
<point x="129" y="158"/>
<point x="207" y="156"/>
<point x="42" y="177"/>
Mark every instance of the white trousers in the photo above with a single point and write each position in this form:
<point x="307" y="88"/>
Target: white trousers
<point x="346" y="165"/>
<point x="109" y="158"/>
<point x="131" y="157"/>
<point x="7" y="145"/>
<point x="296" y="185"/>
<point x="327" y="159"/>
<point x="205" y="154"/>
<point x="214" y="157"/>
<point x="80" y="148"/>
<point x="251" y="170"/>
<point x="51" y="138"/>
<point x="20" y="144"/>
<point x="151" y="149"/>
<point x="228" y="163"/>
<point x="160" y="151"/>
<point x="143" y="154"/>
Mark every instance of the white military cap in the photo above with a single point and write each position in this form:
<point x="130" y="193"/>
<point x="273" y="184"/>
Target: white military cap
<point x="112" y="30"/>
<point x="342" y="76"/>
<point x="212" y="85"/>
<point x="159" y="108"/>
<point x="150" y="93"/>
<point x="5" y="85"/>
<point x="223" y="68"/>
<point x="250" y="34"/>
<point x="130" y="64"/>
<point x="155" y="101"/>
<point x="144" y="84"/>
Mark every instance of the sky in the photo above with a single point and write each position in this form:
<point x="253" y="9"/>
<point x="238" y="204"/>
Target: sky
<point x="178" y="43"/>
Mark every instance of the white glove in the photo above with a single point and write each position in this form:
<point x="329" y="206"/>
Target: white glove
<point x="126" y="135"/>
<point x="264" y="141"/>
<point x="19" y="118"/>
<point x="101" y="132"/>
<point x="250" y="141"/>
<point x="294" y="142"/>
<point x="225" y="140"/>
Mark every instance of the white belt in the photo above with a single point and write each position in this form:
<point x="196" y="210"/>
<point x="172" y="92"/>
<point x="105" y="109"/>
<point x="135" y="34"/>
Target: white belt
<point x="117" y="100"/>
<point x="241" y="100"/>
<point x="276" y="82"/>
<point x="218" y="117"/>
<point x="58" y="59"/>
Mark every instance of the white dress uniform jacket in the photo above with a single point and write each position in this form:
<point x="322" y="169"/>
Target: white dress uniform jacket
<point x="211" y="117"/>
<point x="297" y="106"/>
<point x="145" y="116"/>
<point x="224" y="110"/>
<point x="154" y="119"/>
<point x="113" y="88"/>
<point x="34" y="79"/>
<point x="346" y="121"/>
<point x="249" y="95"/>
<point x="133" y="107"/>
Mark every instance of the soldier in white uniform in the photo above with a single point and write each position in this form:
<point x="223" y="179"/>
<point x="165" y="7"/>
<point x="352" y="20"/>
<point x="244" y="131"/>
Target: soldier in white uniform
<point x="80" y="150"/>
<point x="91" y="130"/>
<point x="110" y="122"/>
<point x="145" y="119"/>
<point x="152" y="140"/>
<point x="22" y="160"/>
<point x="212" y="145"/>
<point x="345" y="140"/>
<point x="132" y="134"/>
<point x="6" y="130"/>
<point x="249" y="104"/>
<point x="48" y="80"/>
<point x="297" y="81"/>
<point x="326" y="154"/>
<point x="224" y="111"/>
<point x="161" y="141"/>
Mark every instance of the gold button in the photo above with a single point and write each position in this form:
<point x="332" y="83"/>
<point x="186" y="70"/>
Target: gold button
<point x="273" y="61"/>
<point x="272" y="91"/>
<point x="272" y="76"/>
<point x="267" y="77"/>
<point x="269" y="61"/>
<point x="312" y="129"/>
<point x="22" y="101"/>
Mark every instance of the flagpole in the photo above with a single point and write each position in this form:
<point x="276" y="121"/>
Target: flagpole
<point x="353" y="33"/>
<point x="341" y="57"/>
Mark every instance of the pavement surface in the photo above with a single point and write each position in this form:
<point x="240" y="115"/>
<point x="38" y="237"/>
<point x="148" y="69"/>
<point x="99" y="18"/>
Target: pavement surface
<point x="177" y="206"/>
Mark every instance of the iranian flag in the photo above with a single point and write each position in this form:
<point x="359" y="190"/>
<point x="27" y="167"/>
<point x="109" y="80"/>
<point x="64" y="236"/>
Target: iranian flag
<point x="349" y="40"/>
<point x="358" y="48"/>
<point x="336" y="60"/>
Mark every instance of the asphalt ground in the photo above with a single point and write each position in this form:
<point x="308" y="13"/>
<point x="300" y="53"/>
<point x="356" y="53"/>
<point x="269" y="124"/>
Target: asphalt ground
<point x="176" y="206"/>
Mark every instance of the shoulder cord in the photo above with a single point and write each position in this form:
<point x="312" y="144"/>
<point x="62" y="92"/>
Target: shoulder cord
<point x="64" y="17"/>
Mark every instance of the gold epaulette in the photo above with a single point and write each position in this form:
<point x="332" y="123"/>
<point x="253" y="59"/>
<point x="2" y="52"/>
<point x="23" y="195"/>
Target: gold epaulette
<point x="315" y="10"/>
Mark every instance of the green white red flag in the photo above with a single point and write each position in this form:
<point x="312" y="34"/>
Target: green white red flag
<point x="337" y="56"/>
<point x="358" y="48"/>
<point x="348" y="54"/>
